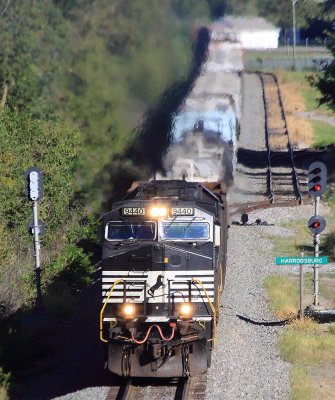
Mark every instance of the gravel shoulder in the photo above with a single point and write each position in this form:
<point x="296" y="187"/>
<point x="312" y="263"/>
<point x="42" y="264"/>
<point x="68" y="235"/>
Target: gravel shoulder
<point x="246" y="363"/>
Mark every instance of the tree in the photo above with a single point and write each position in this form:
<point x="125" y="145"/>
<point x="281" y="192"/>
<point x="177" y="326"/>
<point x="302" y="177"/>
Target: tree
<point x="279" y="12"/>
<point x="325" y="80"/>
<point x="33" y="39"/>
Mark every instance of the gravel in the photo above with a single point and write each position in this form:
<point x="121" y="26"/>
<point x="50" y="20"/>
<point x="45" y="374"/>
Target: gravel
<point x="246" y="361"/>
<point x="251" y="168"/>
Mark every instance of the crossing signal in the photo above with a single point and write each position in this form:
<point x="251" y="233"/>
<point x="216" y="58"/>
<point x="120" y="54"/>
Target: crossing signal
<point x="316" y="224"/>
<point x="317" y="179"/>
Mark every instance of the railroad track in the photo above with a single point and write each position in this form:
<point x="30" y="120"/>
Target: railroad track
<point x="284" y="169"/>
<point x="285" y="182"/>
<point x="159" y="389"/>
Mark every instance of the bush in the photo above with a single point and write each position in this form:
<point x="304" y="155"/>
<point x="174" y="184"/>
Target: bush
<point x="59" y="300"/>
<point x="329" y="245"/>
<point x="5" y="384"/>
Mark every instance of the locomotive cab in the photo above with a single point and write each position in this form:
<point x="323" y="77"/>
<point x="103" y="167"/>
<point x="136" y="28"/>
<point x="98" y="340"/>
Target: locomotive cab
<point x="163" y="267"/>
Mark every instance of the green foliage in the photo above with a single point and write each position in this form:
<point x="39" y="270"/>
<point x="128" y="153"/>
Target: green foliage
<point x="32" y="36"/>
<point x="325" y="80"/>
<point x="72" y="267"/>
<point x="323" y="133"/>
<point x="5" y="381"/>
<point x="25" y="142"/>
<point x="280" y="12"/>
<point x="329" y="245"/>
<point x="123" y="56"/>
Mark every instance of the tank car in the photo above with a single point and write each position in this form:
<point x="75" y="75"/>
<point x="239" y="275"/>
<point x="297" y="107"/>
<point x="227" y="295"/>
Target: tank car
<point x="163" y="268"/>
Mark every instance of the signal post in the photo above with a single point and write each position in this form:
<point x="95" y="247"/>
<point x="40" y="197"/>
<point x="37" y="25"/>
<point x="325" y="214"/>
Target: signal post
<point x="34" y="192"/>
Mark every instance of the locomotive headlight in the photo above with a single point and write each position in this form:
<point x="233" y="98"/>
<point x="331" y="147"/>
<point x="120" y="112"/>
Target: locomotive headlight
<point x="129" y="310"/>
<point x="185" y="310"/>
<point x="158" y="211"/>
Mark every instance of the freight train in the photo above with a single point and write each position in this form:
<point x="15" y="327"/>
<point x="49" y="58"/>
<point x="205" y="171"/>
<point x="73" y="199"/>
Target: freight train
<point x="163" y="268"/>
<point x="165" y="244"/>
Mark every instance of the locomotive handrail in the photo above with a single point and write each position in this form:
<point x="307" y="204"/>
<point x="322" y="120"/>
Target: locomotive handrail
<point x="103" y="309"/>
<point x="213" y="309"/>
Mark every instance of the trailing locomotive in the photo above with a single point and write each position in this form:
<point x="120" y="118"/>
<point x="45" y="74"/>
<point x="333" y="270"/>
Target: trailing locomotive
<point x="163" y="268"/>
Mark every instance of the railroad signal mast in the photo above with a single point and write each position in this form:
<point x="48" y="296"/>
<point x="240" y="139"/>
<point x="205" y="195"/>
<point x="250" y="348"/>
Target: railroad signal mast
<point x="34" y="192"/>
<point x="317" y="184"/>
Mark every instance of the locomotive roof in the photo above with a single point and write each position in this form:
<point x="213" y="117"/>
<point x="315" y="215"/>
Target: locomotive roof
<point x="174" y="189"/>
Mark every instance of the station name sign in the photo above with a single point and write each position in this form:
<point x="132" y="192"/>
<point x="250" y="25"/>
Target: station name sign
<point x="301" y="260"/>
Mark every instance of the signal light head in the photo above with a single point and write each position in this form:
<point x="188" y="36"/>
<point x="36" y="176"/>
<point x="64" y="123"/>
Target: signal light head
<point x="317" y="179"/>
<point x="316" y="224"/>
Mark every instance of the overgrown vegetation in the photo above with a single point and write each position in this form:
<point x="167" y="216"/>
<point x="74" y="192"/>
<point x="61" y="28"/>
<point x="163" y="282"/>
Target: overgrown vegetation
<point x="308" y="346"/>
<point x="294" y="85"/>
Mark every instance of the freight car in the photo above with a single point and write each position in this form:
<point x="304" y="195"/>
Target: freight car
<point x="163" y="268"/>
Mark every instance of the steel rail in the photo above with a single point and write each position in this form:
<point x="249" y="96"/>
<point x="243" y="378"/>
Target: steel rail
<point x="271" y="194"/>
<point x="186" y="388"/>
<point x="289" y="144"/>
<point x="296" y="184"/>
<point x="182" y="388"/>
<point x="296" y="180"/>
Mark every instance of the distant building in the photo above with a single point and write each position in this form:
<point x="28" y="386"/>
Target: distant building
<point x="251" y="32"/>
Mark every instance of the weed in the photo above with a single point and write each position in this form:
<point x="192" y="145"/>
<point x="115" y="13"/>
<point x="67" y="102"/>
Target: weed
<point x="306" y="345"/>
<point x="284" y="296"/>
<point x="329" y="245"/>
<point x="323" y="133"/>
<point x="331" y="328"/>
<point x="300" y="383"/>
<point x="5" y="384"/>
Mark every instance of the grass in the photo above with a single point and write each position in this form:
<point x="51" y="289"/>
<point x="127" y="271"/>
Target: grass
<point x="302" y="240"/>
<point x="292" y="246"/>
<point x="284" y="295"/>
<point x="324" y="134"/>
<point x="304" y="343"/>
<point x="299" y="96"/>
<point x="308" y="346"/>
<point x="299" y="82"/>
<point x="301" y="386"/>
<point x="254" y="55"/>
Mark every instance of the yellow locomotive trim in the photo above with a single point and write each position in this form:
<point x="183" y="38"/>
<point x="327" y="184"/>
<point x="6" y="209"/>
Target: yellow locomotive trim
<point x="221" y="288"/>
<point x="213" y="309"/>
<point x="103" y="309"/>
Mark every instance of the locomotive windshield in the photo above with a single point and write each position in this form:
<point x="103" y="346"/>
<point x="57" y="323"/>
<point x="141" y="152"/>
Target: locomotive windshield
<point x="119" y="230"/>
<point x="186" y="230"/>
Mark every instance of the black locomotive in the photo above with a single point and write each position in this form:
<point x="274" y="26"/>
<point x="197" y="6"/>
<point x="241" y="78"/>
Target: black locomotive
<point x="163" y="268"/>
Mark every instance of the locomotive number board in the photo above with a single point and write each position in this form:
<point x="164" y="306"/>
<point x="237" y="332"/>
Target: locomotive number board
<point x="182" y="211"/>
<point x="133" y="211"/>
